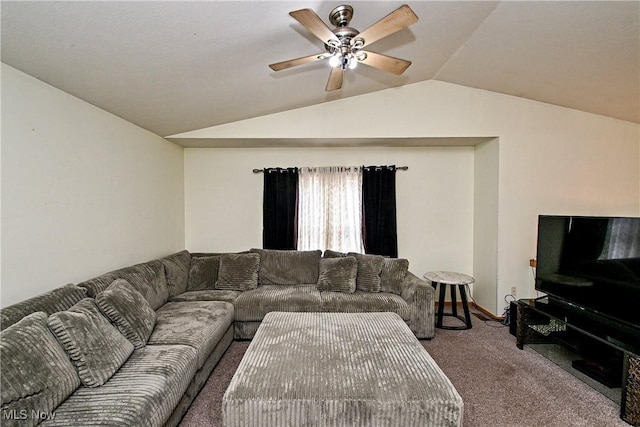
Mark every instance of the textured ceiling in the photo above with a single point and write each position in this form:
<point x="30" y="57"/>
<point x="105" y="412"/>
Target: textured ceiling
<point x="173" y="67"/>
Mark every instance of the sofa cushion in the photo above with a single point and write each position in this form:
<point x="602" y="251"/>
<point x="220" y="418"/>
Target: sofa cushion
<point x="253" y="305"/>
<point x="203" y="273"/>
<point x="36" y="372"/>
<point x="394" y="270"/>
<point x="50" y="302"/>
<point x="126" y="308"/>
<point x="199" y="324"/>
<point x="143" y="392"/>
<point x="369" y="268"/>
<point x="94" y="345"/>
<point x="365" y="302"/>
<point x="338" y="274"/>
<point x="238" y="272"/>
<point x="207" y="295"/>
<point x="176" y="268"/>
<point x="282" y="267"/>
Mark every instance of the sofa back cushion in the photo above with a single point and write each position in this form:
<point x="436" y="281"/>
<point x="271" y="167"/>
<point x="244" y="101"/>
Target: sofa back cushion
<point x="176" y="268"/>
<point x="369" y="268"/>
<point x="36" y="372"/>
<point x="126" y="308"/>
<point x="147" y="278"/>
<point x="58" y="299"/>
<point x="150" y="280"/>
<point x="338" y="274"/>
<point x="203" y="273"/>
<point x="94" y="345"/>
<point x="286" y="267"/>
<point x="394" y="270"/>
<point x="238" y="272"/>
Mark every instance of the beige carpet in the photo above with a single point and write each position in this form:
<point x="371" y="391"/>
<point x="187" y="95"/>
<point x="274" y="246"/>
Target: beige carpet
<point x="499" y="384"/>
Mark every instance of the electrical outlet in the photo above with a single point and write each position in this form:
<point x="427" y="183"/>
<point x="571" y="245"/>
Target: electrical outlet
<point x="513" y="291"/>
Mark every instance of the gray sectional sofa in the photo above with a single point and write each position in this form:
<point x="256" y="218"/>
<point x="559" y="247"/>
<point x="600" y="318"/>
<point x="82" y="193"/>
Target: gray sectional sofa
<point x="134" y="346"/>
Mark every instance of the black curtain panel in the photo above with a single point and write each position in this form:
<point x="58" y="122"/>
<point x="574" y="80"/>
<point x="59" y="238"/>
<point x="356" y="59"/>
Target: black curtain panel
<point x="280" y="209"/>
<point x="379" y="226"/>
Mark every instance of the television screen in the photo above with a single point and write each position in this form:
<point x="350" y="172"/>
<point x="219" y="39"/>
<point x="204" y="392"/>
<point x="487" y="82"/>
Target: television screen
<point x="592" y="263"/>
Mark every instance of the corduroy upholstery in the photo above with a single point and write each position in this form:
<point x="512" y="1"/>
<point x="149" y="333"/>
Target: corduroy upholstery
<point x="147" y="278"/>
<point x="143" y="392"/>
<point x="253" y="305"/>
<point x="50" y="302"/>
<point x="369" y="268"/>
<point x="203" y="273"/>
<point x="338" y="274"/>
<point x="365" y="302"/>
<point x="192" y="330"/>
<point x="95" y="346"/>
<point x="394" y="270"/>
<point x="176" y="268"/>
<point x="207" y="295"/>
<point x="36" y="373"/>
<point x="238" y="272"/>
<point x="339" y="369"/>
<point x="287" y="267"/>
<point x="126" y="308"/>
<point x="199" y="324"/>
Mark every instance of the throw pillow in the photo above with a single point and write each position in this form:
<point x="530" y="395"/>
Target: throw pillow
<point x="36" y="373"/>
<point x="338" y="274"/>
<point x="94" y="345"/>
<point x="328" y="253"/>
<point x="287" y="267"/>
<point x="176" y="268"/>
<point x="128" y="310"/>
<point x="238" y="272"/>
<point x="392" y="275"/>
<point x="203" y="273"/>
<point x="369" y="268"/>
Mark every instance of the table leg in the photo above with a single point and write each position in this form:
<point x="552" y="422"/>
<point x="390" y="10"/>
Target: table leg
<point x="454" y="302"/>
<point x="440" y="306"/>
<point x="465" y="305"/>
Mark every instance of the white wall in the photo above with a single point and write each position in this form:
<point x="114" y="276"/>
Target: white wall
<point x="551" y="160"/>
<point x="83" y="192"/>
<point x="223" y="198"/>
<point x="485" y="224"/>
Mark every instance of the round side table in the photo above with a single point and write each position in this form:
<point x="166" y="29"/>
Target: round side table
<point x="452" y="279"/>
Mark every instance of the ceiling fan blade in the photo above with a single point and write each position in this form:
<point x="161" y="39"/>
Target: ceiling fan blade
<point x="395" y="21"/>
<point x="384" y="62"/>
<point x="318" y="28"/>
<point x="335" y="79"/>
<point x="298" y="61"/>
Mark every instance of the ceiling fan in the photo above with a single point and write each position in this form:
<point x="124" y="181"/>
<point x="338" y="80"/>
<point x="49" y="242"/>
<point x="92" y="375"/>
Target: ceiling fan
<point x="344" y="46"/>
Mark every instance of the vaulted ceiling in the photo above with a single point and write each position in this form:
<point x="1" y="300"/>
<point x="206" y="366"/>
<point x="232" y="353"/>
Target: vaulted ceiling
<point x="173" y="67"/>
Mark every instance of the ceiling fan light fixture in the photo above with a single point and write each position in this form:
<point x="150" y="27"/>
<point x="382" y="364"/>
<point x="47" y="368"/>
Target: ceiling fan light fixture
<point x="343" y="44"/>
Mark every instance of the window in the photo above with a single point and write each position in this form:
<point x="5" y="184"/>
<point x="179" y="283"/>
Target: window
<point x="330" y="209"/>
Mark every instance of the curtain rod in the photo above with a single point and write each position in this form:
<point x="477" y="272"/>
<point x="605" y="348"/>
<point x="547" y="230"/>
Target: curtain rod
<point x="402" y="168"/>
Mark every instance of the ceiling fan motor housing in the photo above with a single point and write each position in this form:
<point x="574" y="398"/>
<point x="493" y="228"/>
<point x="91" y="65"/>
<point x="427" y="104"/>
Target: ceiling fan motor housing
<point x="341" y="15"/>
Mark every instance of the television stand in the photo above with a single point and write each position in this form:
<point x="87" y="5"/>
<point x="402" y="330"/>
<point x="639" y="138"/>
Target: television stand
<point x="608" y="354"/>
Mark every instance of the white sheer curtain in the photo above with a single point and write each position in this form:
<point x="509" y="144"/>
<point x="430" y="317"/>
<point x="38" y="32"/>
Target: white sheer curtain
<point x="330" y="209"/>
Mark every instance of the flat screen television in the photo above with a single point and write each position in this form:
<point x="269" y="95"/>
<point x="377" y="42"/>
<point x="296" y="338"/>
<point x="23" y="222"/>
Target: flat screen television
<point x="592" y="264"/>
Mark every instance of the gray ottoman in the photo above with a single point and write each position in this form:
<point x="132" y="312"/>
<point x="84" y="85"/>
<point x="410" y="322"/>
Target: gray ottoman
<point x="339" y="369"/>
